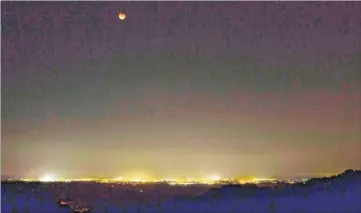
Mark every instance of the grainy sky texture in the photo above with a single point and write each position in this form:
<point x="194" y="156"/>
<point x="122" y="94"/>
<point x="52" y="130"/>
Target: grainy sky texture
<point x="180" y="89"/>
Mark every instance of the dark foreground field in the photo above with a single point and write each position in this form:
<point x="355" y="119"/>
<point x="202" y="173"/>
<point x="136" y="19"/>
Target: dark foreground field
<point x="338" y="194"/>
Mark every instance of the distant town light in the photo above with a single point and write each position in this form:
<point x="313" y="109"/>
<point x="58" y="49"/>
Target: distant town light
<point x="136" y="179"/>
<point x="48" y="178"/>
<point x="215" y="178"/>
<point x="119" y="178"/>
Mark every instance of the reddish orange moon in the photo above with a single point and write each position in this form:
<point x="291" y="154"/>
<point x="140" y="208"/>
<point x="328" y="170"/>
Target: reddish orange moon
<point x="122" y="16"/>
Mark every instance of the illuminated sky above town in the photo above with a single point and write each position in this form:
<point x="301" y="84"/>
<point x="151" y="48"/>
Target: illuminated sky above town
<point x="180" y="89"/>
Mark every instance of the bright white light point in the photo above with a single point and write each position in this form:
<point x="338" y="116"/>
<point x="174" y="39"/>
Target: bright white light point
<point x="137" y="179"/>
<point x="119" y="178"/>
<point x="48" y="178"/>
<point x="215" y="178"/>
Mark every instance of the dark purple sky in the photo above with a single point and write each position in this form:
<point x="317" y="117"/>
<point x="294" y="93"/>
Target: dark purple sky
<point x="210" y="86"/>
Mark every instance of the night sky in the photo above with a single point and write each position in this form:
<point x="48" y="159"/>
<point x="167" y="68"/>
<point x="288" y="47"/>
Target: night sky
<point x="180" y="89"/>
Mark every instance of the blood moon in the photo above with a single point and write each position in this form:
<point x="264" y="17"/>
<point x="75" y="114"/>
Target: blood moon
<point x="122" y="16"/>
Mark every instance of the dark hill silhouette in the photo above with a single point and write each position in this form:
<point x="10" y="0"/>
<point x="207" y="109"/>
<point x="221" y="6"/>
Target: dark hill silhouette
<point x="338" y="193"/>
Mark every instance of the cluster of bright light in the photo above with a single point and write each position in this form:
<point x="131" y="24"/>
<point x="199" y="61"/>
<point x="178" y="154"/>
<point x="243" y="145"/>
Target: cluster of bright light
<point x="216" y="178"/>
<point x="211" y="180"/>
<point x="48" y="178"/>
